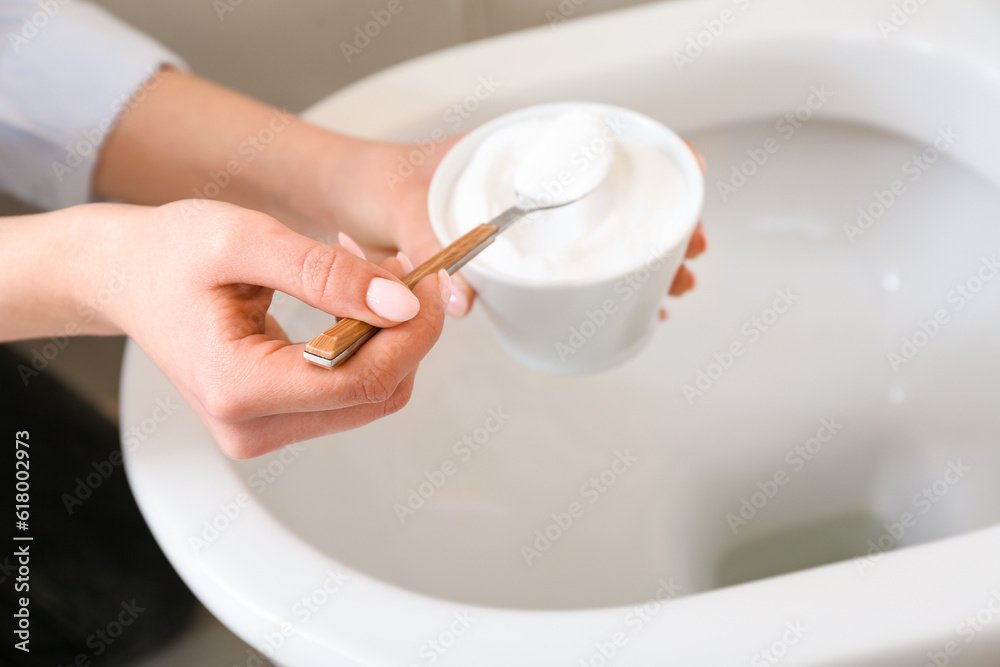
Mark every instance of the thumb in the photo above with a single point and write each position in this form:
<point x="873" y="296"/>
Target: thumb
<point x="327" y="277"/>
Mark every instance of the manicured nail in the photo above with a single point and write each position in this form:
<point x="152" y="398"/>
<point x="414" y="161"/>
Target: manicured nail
<point x="350" y="246"/>
<point x="391" y="300"/>
<point x="405" y="261"/>
<point x="445" y="285"/>
<point x="458" y="303"/>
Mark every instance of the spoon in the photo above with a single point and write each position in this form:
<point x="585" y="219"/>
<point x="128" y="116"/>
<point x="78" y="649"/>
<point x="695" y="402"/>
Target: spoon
<point x="534" y="179"/>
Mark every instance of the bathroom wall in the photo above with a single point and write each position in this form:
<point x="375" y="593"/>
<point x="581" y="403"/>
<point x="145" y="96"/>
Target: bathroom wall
<point x="291" y="53"/>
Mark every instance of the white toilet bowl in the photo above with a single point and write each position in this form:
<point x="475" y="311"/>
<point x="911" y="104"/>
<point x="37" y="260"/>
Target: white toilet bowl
<point x="828" y="394"/>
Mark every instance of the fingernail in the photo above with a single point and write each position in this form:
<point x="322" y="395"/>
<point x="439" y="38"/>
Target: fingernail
<point x="405" y="261"/>
<point x="391" y="300"/>
<point x="444" y="284"/>
<point x="350" y="246"/>
<point x="458" y="303"/>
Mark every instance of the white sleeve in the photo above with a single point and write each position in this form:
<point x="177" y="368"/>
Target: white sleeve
<point x="68" y="72"/>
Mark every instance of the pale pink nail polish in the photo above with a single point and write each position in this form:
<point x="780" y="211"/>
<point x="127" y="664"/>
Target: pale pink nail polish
<point x="350" y="246"/>
<point x="391" y="300"/>
<point x="458" y="303"/>
<point x="405" y="261"/>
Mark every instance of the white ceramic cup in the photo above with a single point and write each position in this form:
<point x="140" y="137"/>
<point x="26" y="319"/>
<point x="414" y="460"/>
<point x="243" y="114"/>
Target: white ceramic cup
<point x="590" y="325"/>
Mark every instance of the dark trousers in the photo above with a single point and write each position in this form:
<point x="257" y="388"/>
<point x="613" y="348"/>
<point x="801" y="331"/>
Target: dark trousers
<point x="99" y="590"/>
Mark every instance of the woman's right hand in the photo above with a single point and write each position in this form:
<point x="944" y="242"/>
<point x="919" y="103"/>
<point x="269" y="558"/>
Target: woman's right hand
<point x="201" y="276"/>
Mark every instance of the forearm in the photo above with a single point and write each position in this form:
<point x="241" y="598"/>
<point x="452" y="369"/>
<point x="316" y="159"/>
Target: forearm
<point x="55" y="278"/>
<point x="189" y="138"/>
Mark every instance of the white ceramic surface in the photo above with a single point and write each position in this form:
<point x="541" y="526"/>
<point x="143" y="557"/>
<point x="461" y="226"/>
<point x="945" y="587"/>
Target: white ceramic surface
<point x="450" y="585"/>
<point x="587" y="326"/>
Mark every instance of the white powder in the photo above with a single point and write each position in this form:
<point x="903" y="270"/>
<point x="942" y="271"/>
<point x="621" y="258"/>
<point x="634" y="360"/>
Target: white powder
<point x="637" y="195"/>
<point x="570" y="159"/>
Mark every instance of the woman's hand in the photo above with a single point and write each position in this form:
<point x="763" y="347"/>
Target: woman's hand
<point x="199" y="277"/>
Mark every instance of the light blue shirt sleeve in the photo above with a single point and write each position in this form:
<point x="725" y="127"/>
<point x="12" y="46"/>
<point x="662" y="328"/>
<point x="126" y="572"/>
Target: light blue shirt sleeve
<point x="68" y="72"/>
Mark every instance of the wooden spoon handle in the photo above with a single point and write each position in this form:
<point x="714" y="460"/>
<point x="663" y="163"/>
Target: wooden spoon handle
<point x="339" y="342"/>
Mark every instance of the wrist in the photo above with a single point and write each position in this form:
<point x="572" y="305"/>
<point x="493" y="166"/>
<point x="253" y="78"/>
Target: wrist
<point x="65" y="284"/>
<point x="101" y="285"/>
<point x="320" y="183"/>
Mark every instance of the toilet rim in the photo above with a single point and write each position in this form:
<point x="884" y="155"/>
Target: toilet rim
<point x="352" y="627"/>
